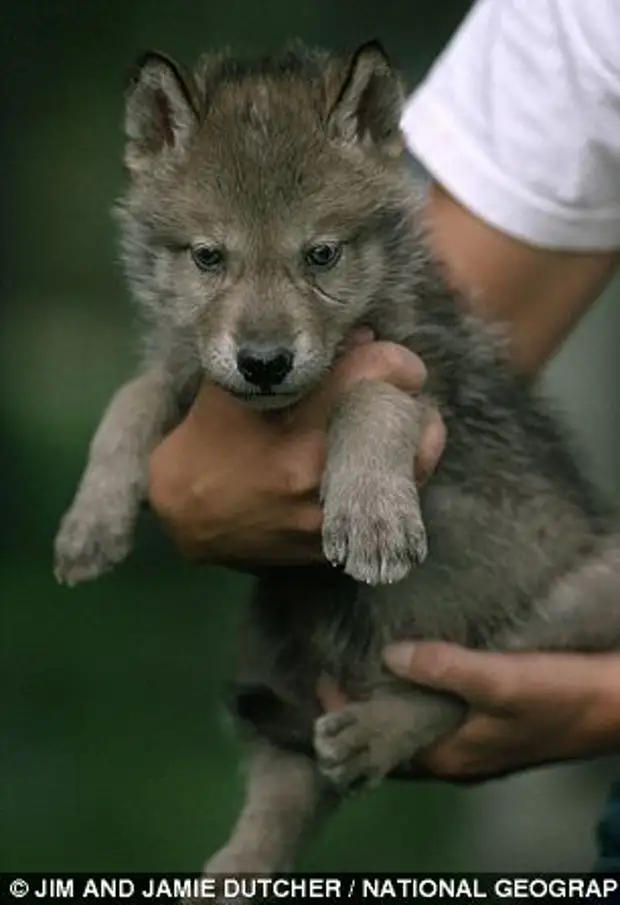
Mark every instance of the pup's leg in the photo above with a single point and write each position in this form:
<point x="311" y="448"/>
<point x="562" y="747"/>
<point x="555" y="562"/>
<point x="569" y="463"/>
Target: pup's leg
<point x="285" y="798"/>
<point x="97" y="531"/>
<point x="359" y="744"/>
<point x="580" y="612"/>
<point x="372" y="521"/>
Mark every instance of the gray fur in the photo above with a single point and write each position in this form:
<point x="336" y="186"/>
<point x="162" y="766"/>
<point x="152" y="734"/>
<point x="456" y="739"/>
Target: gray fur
<point x="264" y="161"/>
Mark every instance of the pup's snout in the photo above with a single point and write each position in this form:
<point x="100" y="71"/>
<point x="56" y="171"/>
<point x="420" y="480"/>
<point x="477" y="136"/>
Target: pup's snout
<point x="263" y="365"/>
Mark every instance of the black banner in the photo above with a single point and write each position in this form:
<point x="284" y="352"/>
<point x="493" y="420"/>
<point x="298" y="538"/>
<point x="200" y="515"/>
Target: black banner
<point x="310" y="888"/>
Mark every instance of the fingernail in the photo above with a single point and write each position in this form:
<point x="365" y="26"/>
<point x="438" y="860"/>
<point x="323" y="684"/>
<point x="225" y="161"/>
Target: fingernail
<point x="362" y="335"/>
<point x="398" y="657"/>
<point x="431" y="451"/>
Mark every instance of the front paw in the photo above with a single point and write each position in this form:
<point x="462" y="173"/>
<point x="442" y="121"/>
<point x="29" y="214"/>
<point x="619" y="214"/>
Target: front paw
<point x="91" y="540"/>
<point x="351" y="752"/>
<point x="373" y="527"/>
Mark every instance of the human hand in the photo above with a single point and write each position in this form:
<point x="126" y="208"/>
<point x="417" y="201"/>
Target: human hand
<point x="237" y="487"/>
<point x="526" y="709"/>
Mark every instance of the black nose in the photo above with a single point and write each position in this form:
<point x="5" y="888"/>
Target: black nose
<point x="264" y="366"/>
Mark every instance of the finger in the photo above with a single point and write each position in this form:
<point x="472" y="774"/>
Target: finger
<point x="330" y="694"/>
<point x="431" y="447"/>
<point x="383" y="361"/>
<point x="213" y="402"/>
<point x="484" y="748"/>
<point x="214" y="405"/>
<point x="481" y="678"/>
<point x="477" y="747"/>
<point x="412" y="771"/>
<point x="359" y="337"/>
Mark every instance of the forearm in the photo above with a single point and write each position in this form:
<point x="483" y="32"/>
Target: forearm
<point x="541" y="294"/>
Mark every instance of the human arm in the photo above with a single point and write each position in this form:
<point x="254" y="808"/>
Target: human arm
<point x="539" y="293"/>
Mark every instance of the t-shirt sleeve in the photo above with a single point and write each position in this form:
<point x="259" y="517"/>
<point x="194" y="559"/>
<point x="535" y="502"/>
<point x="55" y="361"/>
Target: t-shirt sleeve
<point x="519" y="119"/>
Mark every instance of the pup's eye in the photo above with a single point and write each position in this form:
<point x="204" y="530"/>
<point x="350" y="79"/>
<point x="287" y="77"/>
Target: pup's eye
<point x="323" y="255"/>
<point x="208" y="257"/>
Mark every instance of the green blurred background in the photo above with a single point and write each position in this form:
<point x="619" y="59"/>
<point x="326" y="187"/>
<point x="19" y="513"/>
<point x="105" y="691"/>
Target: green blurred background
<point x="114" y="754"/>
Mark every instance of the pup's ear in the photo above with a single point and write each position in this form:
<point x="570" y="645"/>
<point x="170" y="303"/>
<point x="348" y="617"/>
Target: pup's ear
<point x="160" y="110"/>
<point x="370" y="102"/>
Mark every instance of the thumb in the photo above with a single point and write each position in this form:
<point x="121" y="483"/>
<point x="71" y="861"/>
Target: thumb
<point x="479" y="677"/>
<point x="215" y="406"/>
<point x="378" y="360"/>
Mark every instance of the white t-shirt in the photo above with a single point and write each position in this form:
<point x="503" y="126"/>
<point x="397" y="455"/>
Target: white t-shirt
<point x="519" y="119"/>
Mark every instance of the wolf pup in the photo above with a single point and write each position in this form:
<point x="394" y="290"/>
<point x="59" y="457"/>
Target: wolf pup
<point x="270" y="209"/>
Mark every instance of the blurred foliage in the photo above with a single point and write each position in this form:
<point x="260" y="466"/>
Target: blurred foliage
<point x="114" y="753"/>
